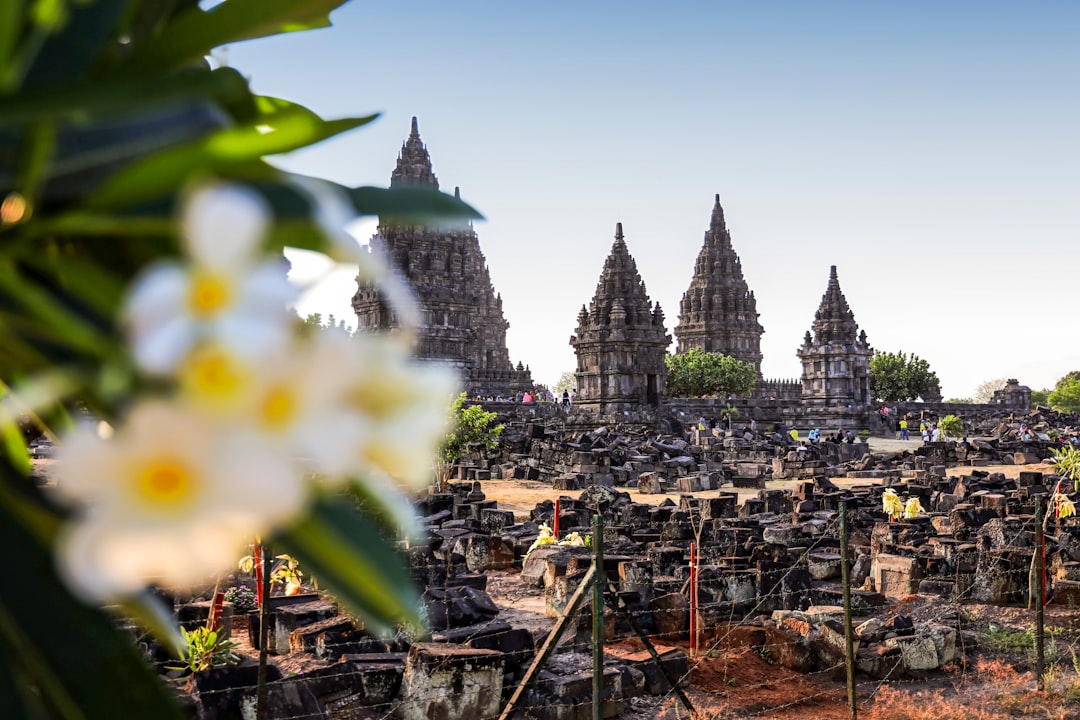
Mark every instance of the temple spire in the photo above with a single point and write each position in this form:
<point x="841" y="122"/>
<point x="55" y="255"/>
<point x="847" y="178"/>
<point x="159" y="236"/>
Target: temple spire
<point x="717" y="226"/>
<point x="718" y="312"/>
<point x="414" y="162"/>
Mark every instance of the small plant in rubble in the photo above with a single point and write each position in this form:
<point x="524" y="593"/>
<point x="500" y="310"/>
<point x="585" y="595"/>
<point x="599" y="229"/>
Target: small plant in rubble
<point x="242" y="598"/>
<point x="206" y="649"/>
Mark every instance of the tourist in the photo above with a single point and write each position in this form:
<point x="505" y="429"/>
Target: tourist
<point x="935" y="433"/>
<point x="573" y="396"/>
<point x="925" y="432"/>
<point x="903" y="429"/>
<point x="814" y="436"/>
<point x="794" y="435"/>
<point x="753" y="426"/>
<point x="565" y="398"/>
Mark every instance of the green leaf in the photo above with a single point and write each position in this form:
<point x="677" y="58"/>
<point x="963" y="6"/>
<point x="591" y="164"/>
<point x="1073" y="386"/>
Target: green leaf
<point x="337" y="543"/>
<point x="14" y="443"/>
<point x="234" y="149"/>
<point x="51" y="316"/>
<point x="193" y="34"/>
<point x="417" y="205"/>
<point x="150" y="612"/>
<point x="11" y="18"/>
<point x="84" y="36"/>
<point x="117" y="96"/>
<point x="83" y="665"/>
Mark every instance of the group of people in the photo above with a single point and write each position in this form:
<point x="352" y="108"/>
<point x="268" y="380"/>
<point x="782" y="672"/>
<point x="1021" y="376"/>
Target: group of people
<point x="531" y="396"/>
<point x="928" y="429"/>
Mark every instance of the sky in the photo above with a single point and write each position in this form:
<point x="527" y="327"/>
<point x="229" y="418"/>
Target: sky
<point x="929" y="150"/>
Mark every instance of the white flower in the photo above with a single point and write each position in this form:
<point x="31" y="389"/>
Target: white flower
<point x="399" y="409"/>
<point x="172" y="498"/>
<point x="292" y="398"/>
<point x="332" y="211"/>
<point x="228" y="292"/>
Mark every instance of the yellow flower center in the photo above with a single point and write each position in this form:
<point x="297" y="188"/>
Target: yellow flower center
<point x="209" y="294"/>
<point x="377" y="401"/>
<point x="213" y="374"/>
<point x="278" y="407"/>
<point x="165" y="481"/>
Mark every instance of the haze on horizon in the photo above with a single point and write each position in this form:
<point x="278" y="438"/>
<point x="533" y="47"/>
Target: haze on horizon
<point x="929" y="151"/>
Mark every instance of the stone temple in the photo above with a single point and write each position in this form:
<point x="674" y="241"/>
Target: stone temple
<point x="620" y="340"/>
<point x="462" y="321"/>
<point x="718" y="312"/>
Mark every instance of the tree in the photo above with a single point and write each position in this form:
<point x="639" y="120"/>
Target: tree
<point x="984" y="393"/>
<point x="896" y="377"/>
<point x="1040" y="397"/>
<point x="470" y="426"/>
<point x="696" y="373"/>
<point x="567" y="381"/>
<point x="1066" y="394"/>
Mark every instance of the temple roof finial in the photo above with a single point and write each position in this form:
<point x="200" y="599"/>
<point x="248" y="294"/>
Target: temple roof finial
<point x="414" y="162"/>
<point x="618" y="231"/>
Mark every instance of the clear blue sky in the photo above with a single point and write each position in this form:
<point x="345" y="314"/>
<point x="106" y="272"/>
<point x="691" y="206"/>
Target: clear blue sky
<point x="931" y="151"/>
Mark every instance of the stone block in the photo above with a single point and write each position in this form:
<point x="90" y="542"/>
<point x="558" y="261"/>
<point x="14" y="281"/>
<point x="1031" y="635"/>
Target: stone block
<point x="895" y="576"/>
<point x="649" y="483"/>
<point x="444" y="681"/>
<point x="919" y="652"/>
<point x="671" y="615"/>
<point x="823" y="565"/>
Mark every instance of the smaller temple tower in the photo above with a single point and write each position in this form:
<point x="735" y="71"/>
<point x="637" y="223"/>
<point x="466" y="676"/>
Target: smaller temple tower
<point x="836" y="357"/>
<point x="718" y="312"/>
<point x="620" y="341"/>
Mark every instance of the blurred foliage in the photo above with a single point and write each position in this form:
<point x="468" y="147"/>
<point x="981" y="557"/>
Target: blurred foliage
<point x="109" y="110"/>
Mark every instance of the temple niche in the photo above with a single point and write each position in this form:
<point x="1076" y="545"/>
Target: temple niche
<point x="462" y="321"/>
<point x="620" y="340"/>
<point x="718" y="312"/>
<point x="836" y="357"/>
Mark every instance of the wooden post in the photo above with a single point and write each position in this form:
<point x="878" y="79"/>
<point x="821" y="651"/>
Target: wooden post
<point x="845" y="580"/>
<point x="555" y="520"/>
<point x="1040" y="557"/>
<point x="693" y="601"/>
<point x="264" y="632"/>
<point x="599" y="580"/>
<point x="550" y="643"/>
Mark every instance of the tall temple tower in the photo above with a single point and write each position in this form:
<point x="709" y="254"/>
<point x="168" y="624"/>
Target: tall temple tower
<point x="718" y="312"/>
<point x="836" y="358"/>
<point x="462" y="320"/>
<point x="620" y="340"/>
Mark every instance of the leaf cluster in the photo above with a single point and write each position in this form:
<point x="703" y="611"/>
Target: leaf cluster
<point x="109" y="112"/>
<point x="1065" y="396"/>
<point x="206" y="649"/>
<point x="897" y="377"/>
<point x="952" y="427"/>
<point x="471" y="426"/>
<point x="697" y="373"/>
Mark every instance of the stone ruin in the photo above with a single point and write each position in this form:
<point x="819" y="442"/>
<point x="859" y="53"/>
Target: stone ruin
<point x="620" y="339"/>
<point x="462" y="316"/>
<point x="769" y="575"/>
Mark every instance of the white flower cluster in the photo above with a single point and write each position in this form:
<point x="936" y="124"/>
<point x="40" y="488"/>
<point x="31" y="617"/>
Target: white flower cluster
<point x="255" y="409"/>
